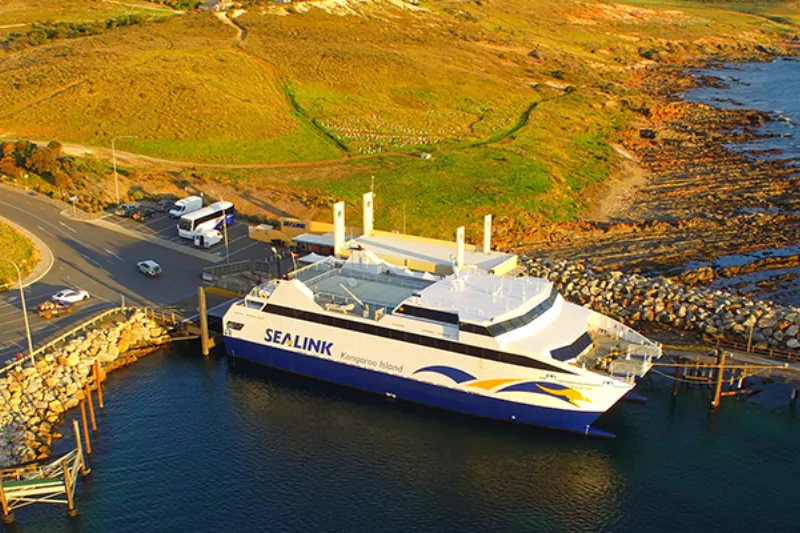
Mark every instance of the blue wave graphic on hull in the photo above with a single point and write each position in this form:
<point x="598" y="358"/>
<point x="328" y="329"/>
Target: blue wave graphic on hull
<point x="459" y="376"/>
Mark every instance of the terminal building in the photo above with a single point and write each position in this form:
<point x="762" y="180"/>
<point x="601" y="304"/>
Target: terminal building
<point x="416" y="253"/>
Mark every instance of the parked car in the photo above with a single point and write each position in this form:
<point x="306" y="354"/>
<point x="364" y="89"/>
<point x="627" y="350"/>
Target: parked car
<point x="149" y="268"/>
<point x="143" y="213"/>
<point x="70" y="296"/>
<point x="165" y="205"/>
<point x="48" y="309"/>
<point x="125" y="210"/>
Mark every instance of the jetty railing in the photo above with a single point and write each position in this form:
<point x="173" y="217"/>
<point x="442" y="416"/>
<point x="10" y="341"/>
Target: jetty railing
<point x="38" y="352"/>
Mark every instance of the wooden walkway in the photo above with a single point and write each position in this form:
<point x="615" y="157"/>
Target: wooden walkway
<point x="33" y="482"/>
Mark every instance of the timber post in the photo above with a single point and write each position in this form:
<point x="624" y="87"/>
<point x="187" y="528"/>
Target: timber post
<point x="8" y="514"/>
<point x="97" y="383"/>
<point x="86" y="429"/>
<point x="677" y="377"/>
<point x="720" y="377"/>
<point x="84" y="471"/>
<point x="68" y="489"/>
<point x="201" y="297"/>
<point x="88" y="392"/>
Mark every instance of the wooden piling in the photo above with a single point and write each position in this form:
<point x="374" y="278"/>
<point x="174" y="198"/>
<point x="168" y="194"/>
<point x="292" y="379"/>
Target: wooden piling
<point x="84" y="470"/>
<point x="68" y="489"/>
<point x="720" y="377"/>
<point x="88" y="392"/>
<point x="201" y="296"/>
<point x="86" y="429"/>
<point x="677" y="377"/>
<point x="97" y="383"/>
<point x="8" y="514"/>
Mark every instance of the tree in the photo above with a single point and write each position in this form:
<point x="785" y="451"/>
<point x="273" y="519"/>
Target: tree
<point x="61" y="180"/>
<point x="42" y="161"/>
<point x="56" y="147"/>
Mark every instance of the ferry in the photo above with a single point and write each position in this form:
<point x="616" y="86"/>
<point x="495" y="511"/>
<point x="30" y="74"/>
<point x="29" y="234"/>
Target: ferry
<point x="505" y="348"/>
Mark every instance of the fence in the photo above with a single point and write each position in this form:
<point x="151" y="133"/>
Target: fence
<point x="66" y="208"/>
<point x="248" y="265"/>
<point x="62" y="338"/>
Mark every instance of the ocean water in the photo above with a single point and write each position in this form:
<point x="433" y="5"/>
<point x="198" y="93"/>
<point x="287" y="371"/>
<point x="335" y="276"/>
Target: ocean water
<point x="193" y="444"/>
<point x="188" y="444"/>
<point x="770" y="87"/>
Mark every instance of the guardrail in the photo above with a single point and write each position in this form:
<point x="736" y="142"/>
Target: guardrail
<point x="61" y="338"/>
<point x="247" y="265"/>
<point x="66" y="208"/>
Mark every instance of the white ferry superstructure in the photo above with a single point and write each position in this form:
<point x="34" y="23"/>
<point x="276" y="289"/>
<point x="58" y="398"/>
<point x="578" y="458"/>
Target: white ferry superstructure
<point x="496" y="347"/>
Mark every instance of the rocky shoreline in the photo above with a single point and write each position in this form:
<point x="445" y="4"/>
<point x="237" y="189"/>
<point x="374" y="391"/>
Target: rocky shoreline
<point x="700" y="200"/>
<point x="653" y="304"/>
<point x="36" y="398"/>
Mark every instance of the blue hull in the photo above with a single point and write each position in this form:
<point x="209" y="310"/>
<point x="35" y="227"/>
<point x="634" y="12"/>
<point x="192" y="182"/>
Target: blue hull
<point x="415" y="391"/>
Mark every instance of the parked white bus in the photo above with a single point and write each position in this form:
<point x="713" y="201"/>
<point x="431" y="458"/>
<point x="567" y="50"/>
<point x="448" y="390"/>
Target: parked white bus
<point x="204" y="219"/>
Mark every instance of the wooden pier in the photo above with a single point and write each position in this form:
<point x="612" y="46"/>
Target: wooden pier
<point x="725" y="370"/>
<point x="35" y="482"/>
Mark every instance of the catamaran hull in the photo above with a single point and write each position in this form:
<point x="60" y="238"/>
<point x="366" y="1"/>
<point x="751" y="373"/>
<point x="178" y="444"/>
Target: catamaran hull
<point x="415" y="391"/>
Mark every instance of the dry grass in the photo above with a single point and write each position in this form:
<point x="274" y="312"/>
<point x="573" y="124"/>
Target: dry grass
<point x="18" y="249"/>
<point x="453" y="78"/>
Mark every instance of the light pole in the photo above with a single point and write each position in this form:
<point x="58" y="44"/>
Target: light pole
<point x="114" y="159"/>
<point x="225" y="233"/>
<point x="24" y="309"/>
<point x="277" y="259"/>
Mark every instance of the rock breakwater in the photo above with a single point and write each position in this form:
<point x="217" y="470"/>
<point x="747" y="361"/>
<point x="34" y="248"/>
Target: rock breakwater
<point x="34" y="399"/>
<point x="657" y="303"/>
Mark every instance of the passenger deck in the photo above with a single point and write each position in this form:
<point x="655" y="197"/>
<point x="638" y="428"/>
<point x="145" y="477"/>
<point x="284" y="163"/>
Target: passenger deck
<point x="359" y="292"/>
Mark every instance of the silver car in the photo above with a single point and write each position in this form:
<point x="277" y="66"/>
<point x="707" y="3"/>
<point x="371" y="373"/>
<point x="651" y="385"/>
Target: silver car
<point x="149" y="268"/>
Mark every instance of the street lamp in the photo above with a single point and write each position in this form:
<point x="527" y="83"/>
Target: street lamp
<point x="114" y="159"/>
<point x="24" y="309"/>
<point x="225" y="233"/>
<point x="277" y="259"/>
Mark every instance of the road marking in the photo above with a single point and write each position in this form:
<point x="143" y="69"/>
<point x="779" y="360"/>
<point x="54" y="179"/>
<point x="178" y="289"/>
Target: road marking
<point x="91" y="260"/>
<point x="236" y="239"/>
<point x="109" y="252"/>
<point x="41" y="228"/>
<point x="71" y="229"/>
<point x="245" y="248"/>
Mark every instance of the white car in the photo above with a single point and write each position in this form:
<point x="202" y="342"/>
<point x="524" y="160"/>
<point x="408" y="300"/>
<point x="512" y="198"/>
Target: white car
<point x="149" y="268"/>
<point x="70" y="296"/>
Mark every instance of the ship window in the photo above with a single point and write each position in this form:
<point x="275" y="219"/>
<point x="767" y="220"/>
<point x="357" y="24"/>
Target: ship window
<point x="495" y="330"/>
<point x="572" y="350"/>
<point x="428" y="314"/>
<point x="413" y="338"/>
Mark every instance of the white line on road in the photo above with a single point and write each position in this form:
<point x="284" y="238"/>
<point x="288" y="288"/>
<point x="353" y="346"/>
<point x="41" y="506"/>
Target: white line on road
<point x="245" y="248"/>
<point x="91" y="260"/>
<point x="69" y="228"/>
<point x="109" y="252"/>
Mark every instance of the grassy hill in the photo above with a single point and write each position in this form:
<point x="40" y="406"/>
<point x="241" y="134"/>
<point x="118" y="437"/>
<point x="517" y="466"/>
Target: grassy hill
<point x="20" y="250"/>
<point x="517" y="102"/>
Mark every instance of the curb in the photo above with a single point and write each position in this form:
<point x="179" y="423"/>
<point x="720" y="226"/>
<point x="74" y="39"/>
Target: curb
<point x="159" y="242"/>
<point x="45" y="254"/>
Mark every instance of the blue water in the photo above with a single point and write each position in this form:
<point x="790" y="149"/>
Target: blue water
<point x="769" y="87"/>
<point x="187" y="444"/>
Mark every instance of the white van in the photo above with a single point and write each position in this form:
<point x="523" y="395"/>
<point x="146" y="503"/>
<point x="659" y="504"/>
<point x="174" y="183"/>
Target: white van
<point x="207" y="239"/>
<point x="185" y="205"/>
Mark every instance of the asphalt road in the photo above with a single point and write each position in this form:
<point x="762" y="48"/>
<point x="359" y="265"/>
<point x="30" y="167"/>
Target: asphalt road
<point x="100" y="261"/>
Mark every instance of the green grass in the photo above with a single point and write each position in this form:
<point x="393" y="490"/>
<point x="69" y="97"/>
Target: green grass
<point x="302" y="145"/>
<point x="456" y="80"/>
<point x="18" y="249"/>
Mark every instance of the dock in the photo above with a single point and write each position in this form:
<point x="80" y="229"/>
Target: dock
<point x="52" y="482"/>
<point x="725" y="368"/>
